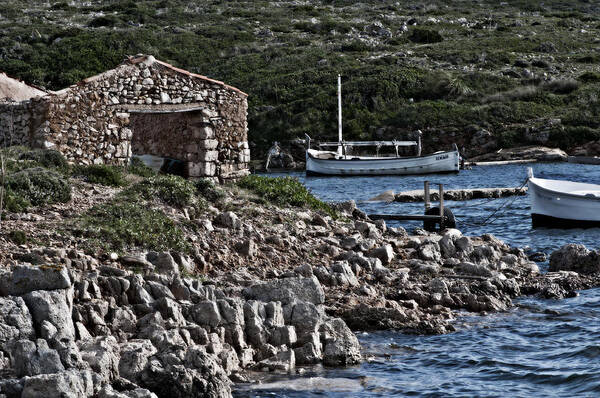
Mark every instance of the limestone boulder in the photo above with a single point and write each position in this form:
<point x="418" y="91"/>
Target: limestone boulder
<point x="574" y="257"/>
<point x="30" y="358"/>
<point x="54" y="306"/>
<point x="341" y="347"/>
<point x="134" y="357"/>
<point x="287" y="290"/>
<point x="468" y="268"/>
<point x="23" y="279"/>
<point x="15" y="321"/>
<point x="164" y="263"/>
<point x="229" y="220"/>
<point x="66" y="384"/>
<point x="384" y="253"/>
<point x="102" y="354"/>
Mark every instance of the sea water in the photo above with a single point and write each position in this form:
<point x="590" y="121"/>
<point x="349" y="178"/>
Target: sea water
<point x="540" y="348"/>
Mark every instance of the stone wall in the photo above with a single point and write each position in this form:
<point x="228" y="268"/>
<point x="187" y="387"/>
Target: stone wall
<point x="145" y="106"/>
<point x="14" y="123"/>
<point x="81" y="125"/>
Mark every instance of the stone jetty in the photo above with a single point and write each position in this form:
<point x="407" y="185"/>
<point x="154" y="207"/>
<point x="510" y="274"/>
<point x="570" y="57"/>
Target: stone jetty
<point x="460" y="194"/>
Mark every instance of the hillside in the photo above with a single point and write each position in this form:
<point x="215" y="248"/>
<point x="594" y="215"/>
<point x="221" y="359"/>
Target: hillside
<point x="483" y="74"/>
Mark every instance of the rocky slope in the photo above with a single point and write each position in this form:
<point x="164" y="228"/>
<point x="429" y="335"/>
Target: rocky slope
<point x="265" y="288"/>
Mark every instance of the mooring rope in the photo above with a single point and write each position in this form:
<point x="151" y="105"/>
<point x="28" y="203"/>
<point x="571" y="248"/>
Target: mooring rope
<point x="489" y="219"/>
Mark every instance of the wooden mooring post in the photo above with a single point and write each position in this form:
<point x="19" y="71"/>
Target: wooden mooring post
<point x="435" y="218"/>
<point x="426" y="196"/>
<point x="441" y="191"/>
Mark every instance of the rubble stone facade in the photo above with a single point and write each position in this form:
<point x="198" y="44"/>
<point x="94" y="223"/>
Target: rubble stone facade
<point x="143" y="107"/>
<point x="14" y="123"/>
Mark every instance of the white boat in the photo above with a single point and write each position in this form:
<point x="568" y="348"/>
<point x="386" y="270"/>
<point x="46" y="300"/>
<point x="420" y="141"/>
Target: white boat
<point x="563" y="204"/>
<point x="330" y="163"/>
<point x="327" y="162"/>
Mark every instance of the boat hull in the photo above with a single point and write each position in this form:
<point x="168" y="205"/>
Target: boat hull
<point x="543" y="221"/>
<point x="556" y="209"/>
<point x="442" y="162"/>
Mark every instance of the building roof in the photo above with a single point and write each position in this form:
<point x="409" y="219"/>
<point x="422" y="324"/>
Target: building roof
<point x="15" y="90"/>
<point x="150" y="59"/>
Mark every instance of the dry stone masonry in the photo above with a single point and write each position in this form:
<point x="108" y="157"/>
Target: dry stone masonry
<point x="143" y="107"/>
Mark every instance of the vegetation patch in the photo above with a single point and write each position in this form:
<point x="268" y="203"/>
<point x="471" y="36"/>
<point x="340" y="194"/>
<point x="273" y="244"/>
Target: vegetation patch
<point x="208" y="190"/>
<point x="17" y="158"/>
<point x="425" y="36"/>
<point x="17" y="236"/>
<point x="35" y="187"/>
<point x="46" y="158"/>
<point x="122" y="225"/>
<point x="137" y="167"/>
<point x="285" y="191"/>
<point x="112" y="176"/>
<point x="173" y="190"/>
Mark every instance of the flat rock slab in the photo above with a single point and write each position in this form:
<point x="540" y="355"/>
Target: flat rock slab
<point x="460" y="194"/>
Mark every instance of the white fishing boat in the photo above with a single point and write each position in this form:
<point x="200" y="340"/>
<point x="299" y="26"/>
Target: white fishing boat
<point x="339" y="162"/>
<point x="563" y="204"/>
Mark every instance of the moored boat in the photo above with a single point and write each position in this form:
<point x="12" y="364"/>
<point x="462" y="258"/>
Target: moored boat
<point x="563" y="204"/>
<point x="330" y="163"/>
<point x="339" y="162"/>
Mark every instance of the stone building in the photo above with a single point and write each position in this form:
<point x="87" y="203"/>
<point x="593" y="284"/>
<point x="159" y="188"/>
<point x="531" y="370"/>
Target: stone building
<point x="142" y="107"/>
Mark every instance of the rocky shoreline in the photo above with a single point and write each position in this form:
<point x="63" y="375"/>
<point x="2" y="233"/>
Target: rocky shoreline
<point x="267" y="289"/>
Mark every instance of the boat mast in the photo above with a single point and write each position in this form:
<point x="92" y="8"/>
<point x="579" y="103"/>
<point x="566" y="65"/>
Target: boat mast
<point x="340" y="139"/>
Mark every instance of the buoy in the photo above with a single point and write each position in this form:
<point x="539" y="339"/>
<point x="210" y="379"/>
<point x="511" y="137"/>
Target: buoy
<point x="449" y="220"/>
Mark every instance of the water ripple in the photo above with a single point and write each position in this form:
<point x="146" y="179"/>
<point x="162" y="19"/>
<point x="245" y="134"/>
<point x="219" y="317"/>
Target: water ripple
<point x="540" y="348"/>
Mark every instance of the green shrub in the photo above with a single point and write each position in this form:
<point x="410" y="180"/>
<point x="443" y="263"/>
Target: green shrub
<point x="17" y="236"/>
<point x="137" y="167"/>
<point x="112" y="176"/>
<point x="35" y="187"/>
<point x="47" y="158"/>
<point x="425" y="36"/>
<point x="562" y="86"/>
<point x="355" y="46"/>
<point x="120" y="225"/>
<point x="17" y="158"/>
<point x="588" y="59"/>
<point x="63" y="5"/>
<point x="208" y="189"/>
<point x="284" y="191"/>
<point x="106" y="20"/>
<point x="173" y="190"/>
<point x="589" y="77"/>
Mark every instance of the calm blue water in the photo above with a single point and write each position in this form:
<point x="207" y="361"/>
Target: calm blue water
<point x="512" y="224"/>
<point x="540" y="348"/>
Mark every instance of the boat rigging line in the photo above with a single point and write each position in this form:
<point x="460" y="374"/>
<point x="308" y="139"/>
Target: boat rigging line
<point x="492" y="217"/>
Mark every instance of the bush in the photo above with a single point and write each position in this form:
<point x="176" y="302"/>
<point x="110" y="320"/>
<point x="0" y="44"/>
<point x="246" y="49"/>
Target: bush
<point x="35" y="187"/>
<point x="173" y="190"/>
<point x="588" y="59"/>
<point x="17" y="236"/>
<point x="562" y="86"/>
<point x="589" y="77"/>
<point x="107" y="20"/>
<point x="355" y="46"/>
<point x="137" y="167"/>
<point x="47" y="158"/>
<point x="425" y="36"/>
<point x="540" y="63"/>
<point x="122" y="225"/>
<point x="102" y="174"/>
<point x="63" y="5"/>
<point x="284" y="191"/>
<point x="208" y="189"/>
